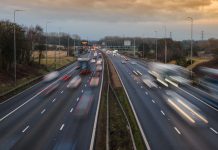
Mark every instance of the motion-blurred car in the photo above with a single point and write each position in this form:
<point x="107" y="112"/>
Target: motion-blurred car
<point x="149" y="81"/>
<point x="169" y="74"/>
<point x="99" y="62"/>
<point x="75" y="82"/>
<point x="92" y="60"/>
<point x="84" y="105"/>
<point x="51" y="88"/>
<point x="123" y="62"/>
<point x="99" y="68"/>
<point x="65" y="77"/>
<point x="189" y="112"/>
<point x="95" y="80"/>
<point x="77" y="67"/>
<point x="51" y="76"/>
<point x="209" y="81"/>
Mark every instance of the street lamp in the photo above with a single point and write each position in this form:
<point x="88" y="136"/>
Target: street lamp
<point x="191" y="19"/>
<point x="46" y="40"/>
<point x="68" y="44"/>
<point x="165" y="41"/>
<point x="59" y="43"/>
<point x="15" y="60"/>
<point x="156" y="43"/>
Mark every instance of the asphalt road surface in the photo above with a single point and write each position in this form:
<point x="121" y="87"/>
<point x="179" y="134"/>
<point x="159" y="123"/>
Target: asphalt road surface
<point x="32" y="120"/>
<point x="164" y="128"/>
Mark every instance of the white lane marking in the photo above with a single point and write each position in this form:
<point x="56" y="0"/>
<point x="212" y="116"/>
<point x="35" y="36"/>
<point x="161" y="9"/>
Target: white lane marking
<point x="82" y="91"/>
<point x="85" y="85"/>
<point x="61" y="128"/>
<point x="153" y="101"/>
<point x="62" y="92"/>
<point x="71" y="109"/>
<point x="19" y="106"/>
<point x="141" y="87"/>
<point x="146" y="93"/>
<point x="32" y="98"/>
<point x="139" y="72"/>
<point x="213" y="130"/>
<point x="24" y="130"/>
<point x="171" y="82"/>
<point x="53" y="100"/>
<point x="198" y="99"/>
<point x="162" y="112"/>
<point x="43" y="111"/>
<point x="77" y="99"/>
<point x="177" y="130"/>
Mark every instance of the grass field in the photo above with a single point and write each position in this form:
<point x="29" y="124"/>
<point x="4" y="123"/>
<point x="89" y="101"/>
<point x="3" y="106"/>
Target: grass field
<point x="198" y="61"/>
<point x="26" y="74"/>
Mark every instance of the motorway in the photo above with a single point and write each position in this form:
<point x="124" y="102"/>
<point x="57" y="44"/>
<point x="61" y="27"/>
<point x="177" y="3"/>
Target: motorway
<point x="162" y="126"/>
<point x="31" y="120"/>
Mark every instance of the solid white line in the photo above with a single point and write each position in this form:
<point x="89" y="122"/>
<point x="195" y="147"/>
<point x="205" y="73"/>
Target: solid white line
<point x="177" y="130"/>
<point x="153" y="101"/>
<point x="162" y="82"/>
<point x="214" y="130"/>
<point x="61" y="128"/>
<point x="162" y="112"/>
<point x="30" y="99"/>
<point x="25" y="129"/>
<point x="198" y="99"/>
<point x="97" y="111"/>
<point x="77" y="99"/>
<point x="53" y="100"/>
<point x="19" y="107"/>
<point x="171" y="82"/>
<point x="133" y="109"/>
<point x="71" y="109"/>
<point x="43" y="111"/>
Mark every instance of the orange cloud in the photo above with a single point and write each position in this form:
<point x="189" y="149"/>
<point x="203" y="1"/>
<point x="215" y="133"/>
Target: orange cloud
<point x="122" y="10"/>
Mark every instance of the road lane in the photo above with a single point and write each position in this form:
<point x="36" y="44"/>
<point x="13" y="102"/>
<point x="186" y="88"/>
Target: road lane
<point x="45" y="122"/>
<point x="188" y="137"/>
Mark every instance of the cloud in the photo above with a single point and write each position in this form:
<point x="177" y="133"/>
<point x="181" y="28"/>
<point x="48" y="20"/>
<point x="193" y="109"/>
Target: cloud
<point x="119" y="10"/>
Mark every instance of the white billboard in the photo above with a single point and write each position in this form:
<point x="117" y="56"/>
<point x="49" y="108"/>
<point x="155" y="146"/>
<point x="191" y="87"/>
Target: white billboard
<point x="127" y="43"/>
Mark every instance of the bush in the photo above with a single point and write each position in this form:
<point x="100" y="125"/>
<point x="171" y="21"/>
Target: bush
<point x="184" y="62"/>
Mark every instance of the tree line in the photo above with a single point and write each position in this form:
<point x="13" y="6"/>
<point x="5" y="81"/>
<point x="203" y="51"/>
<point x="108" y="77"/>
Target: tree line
<point x="176" y="50"/>
<point x="28" y="39"/>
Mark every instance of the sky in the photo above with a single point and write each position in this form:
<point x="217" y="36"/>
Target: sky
<point x="94" y="19"/>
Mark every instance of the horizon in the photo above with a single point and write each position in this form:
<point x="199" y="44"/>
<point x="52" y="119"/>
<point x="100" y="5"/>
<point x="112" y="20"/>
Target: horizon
<point x="96" y="19"/>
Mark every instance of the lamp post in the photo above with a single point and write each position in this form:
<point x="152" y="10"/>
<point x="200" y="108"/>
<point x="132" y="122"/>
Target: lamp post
<point x="165" y="41"/>
<point x="68" y="44"/>
<point x="156" y="43"/>
<point x="134" y="47"/>
<point x="191" y="19"/>
<point x="15" y="59"/>
<point x="59" y="44"/>
<point x="46" y="42"/>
